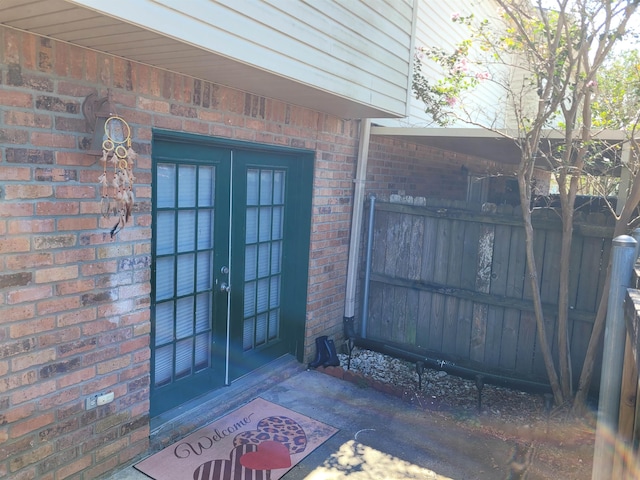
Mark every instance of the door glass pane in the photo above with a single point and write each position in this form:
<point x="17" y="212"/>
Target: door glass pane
<point x="186" y="230"/>
<point x="276" y="257"/>
<point x="166" y="233"/>
<point x="203" y="351"/>
<point x="274" y="294"/>
<point x="266" y="186"/>
<point x="261" y="329"/>
<point x="184" y="315"/>
<point x="247" y="333"/>
<point x="205" y="229"/>
<point x="163" y="367"/>
<point x="203" y="312"/>
<point x="250" y="262"/>
<point x="187" y="186"/>
<point x="274" y="323"/>
<point x="164" y="278"/>
<point x="278" y="188"/>
<point x="206" y="186"/>
<point x="252" y="225"/>
<point x="166" y="191"/>
<point x="184" y="357"/>
<point x="265" y="224"/>
<point x="204" y="271"/>
<point x="277" y="227"/>
<point x="164" y="323"/>
<point x="249" y="298"/>
<point x="186" y="273"/>
<point x="253" y="187"/>
<point x="262" y="299"/>
<point x="264" y="260"/>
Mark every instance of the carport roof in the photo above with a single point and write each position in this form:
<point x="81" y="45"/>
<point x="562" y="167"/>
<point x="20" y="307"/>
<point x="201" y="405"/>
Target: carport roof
<point x="479" y="142"/>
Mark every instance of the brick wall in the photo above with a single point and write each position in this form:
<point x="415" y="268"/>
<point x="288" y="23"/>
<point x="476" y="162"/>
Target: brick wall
<point x="74" y="303"/>
<point x="421" y="171"/>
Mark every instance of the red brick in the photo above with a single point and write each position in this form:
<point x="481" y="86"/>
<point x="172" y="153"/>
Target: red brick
<point x="57" y="208"/>
<point x="46" y="242"/>
<point x="58" y="337"/>
<point x="77" y="286"/>
<point x="100" y="383"/>
<point x="13" y="192"/>
<point x="17" y="380"/>
<point x="22" y="428"/>
<point x="32" y="225"/>
<point x="76" y="159"/>
<point x="56" y="274"/>
<point x="76" y="317"/>
<point x="61" y="397"/>
<point x="41" y="389"/>
<point x="13" y="136"/>
<point x="75" y="192"/>
<point x="33" y="359"/>
<point x="75" y="255"/>
<point x="18" y="262"/>
<point x="14" y="244"/>
<point x="12" y="46"/>
<point x="53" y="140"/>
<point x="16" y="99"/>
<point x="87" y="223"/>
<point x="16" y="414"/>
<point x="27" y="119"/>
<point x="77" y="377"/>
<point x="75" y="467"/>
<point x="19" y="462"/>
<point x="46" y="307"/>
<point x="29" y="294"/>
<point x="134" y="344"/>
<point x="15" y="173"/>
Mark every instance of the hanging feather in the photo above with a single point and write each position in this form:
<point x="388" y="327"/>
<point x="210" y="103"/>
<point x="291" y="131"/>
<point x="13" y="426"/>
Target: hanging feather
<point x="132" y="155"/>
<point x="118" y="226"/>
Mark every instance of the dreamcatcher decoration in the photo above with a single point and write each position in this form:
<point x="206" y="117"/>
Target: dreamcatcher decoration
<point x="117" y="190"/>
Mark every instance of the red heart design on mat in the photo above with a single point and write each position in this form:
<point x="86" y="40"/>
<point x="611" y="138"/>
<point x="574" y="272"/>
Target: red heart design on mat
<point x="269" y="456"/>
<point x="227" y="469"/>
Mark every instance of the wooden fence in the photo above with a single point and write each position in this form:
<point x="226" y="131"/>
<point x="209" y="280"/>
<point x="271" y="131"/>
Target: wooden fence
<point x="451" y="282"/>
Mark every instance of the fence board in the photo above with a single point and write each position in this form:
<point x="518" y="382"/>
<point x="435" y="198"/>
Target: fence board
<point x="456" y="283"/>
<point x="424" y="313"/>
<point x="436" y="325"/>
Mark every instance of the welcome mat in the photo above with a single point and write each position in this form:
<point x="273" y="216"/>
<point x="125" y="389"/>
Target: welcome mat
<point x="259" y="441"/>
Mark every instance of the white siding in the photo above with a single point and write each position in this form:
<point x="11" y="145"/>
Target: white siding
<point x="435" y="28"/>
<point x="359" y="50"/>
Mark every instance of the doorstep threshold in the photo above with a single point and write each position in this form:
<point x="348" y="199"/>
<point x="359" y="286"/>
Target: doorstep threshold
<point x="180" y="421"/>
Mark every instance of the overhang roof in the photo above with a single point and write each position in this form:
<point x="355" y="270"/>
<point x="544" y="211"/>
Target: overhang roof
<point x="479" y="142"/>
<point x="76" y="24"/>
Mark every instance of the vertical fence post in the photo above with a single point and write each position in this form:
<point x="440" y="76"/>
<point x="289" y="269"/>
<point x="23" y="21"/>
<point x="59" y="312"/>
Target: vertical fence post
<point x="623" y="255"/>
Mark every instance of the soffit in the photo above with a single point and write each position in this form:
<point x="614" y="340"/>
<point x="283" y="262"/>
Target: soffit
<point x="81" y="26"/>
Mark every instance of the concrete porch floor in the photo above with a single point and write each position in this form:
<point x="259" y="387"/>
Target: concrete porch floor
<point x="379" y="437"/>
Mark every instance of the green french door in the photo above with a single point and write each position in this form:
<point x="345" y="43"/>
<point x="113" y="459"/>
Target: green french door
<point x="230" y="249"/>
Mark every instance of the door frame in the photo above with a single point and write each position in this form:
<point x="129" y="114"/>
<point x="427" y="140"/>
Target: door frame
<point x="299" y="212"/>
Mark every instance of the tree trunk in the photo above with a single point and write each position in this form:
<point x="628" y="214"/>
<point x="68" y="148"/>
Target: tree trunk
<point x="525" y="201"/>
<point x="563" y="301"/>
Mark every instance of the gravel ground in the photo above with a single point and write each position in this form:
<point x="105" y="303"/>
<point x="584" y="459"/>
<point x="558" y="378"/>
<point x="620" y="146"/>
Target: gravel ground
<point x="458" y="396"/>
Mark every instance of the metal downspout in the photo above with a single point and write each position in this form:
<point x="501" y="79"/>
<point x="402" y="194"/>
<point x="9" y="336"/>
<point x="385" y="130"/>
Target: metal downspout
<point x="356" y="219"/>
<point x="367" y="270"/>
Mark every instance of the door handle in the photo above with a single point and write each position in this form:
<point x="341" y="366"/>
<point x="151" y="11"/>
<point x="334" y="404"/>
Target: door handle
<point x="225" y="287"/>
